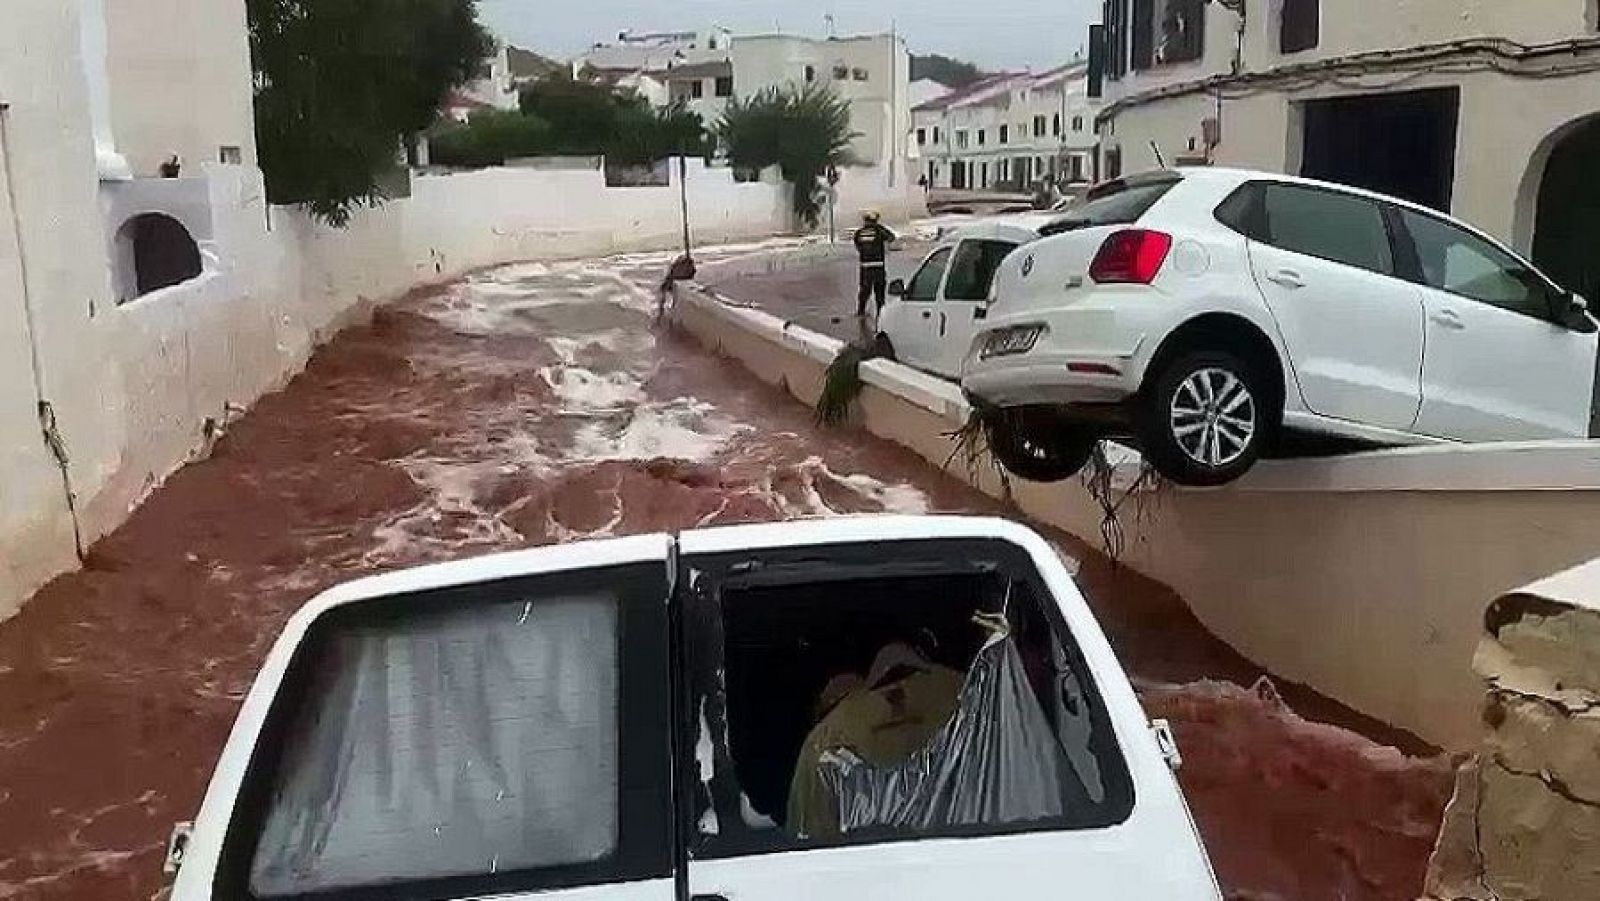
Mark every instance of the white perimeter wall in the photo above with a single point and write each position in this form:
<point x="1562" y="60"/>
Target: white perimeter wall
<point x="133" y="385"/>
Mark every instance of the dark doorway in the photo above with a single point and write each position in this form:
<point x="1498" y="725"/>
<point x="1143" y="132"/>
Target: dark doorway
<point x="1566" y="234"/>
<point x="1400" y="144"/>
<point x="958" y="175"/>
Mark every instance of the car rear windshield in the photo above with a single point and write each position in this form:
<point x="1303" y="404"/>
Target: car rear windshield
<point x="1118" y="202"/>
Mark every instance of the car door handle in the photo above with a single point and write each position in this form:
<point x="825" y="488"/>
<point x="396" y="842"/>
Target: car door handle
<point x="980" y="312"/>
<point x="1288" y="278"/>
<point x="927" y="314"/>
<point x="1449" y="319"/>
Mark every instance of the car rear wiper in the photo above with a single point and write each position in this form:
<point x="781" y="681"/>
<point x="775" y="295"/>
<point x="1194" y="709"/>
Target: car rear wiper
<point x="1070" y="223"/>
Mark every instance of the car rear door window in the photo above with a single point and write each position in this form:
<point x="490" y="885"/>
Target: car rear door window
<point x="972" y="268"/>
<point x="1328" y="224"/>
<point x="924" y="285"/>
<point x="464" y="743"/>
<point x="849" y="695"/>
<point x="1455" y="260"/>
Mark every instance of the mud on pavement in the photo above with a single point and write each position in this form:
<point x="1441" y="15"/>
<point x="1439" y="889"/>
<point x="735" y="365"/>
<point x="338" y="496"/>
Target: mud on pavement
<point x="534" y="404"/>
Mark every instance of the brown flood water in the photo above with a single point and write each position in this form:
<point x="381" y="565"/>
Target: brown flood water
<point x="533" y="404"/>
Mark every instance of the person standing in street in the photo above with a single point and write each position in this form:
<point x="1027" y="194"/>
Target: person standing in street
<point x="872" y="242"/>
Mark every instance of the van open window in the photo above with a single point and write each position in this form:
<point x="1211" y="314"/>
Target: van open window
<point x="846" y="694"/>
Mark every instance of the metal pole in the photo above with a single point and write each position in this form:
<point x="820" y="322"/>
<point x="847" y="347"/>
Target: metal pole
<point x="683" y="197"/>
<point x="894" y="99"/>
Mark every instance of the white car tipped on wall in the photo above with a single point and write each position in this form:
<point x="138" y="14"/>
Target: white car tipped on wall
<point x="1206" y="313"/>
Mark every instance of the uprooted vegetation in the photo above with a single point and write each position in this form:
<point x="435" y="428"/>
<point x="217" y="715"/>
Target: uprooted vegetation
<point x="1103" y="478"/>
<point x="1106" y="476"/>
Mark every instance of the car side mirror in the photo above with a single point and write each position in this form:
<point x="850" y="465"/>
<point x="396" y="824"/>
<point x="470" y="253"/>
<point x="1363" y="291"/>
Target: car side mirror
<point x="1575" y="314"/>
<point x="898" y="287"/>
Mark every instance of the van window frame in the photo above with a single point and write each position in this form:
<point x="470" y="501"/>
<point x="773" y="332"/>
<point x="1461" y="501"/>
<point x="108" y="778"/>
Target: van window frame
<point x="645" y="847"/>
<point x="702" y="629"/>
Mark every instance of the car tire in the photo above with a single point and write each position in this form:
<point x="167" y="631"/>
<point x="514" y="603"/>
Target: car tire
<point x="1205" y="418"/>
<point x="882" y="347"/>
<point x="1034" y="445"/>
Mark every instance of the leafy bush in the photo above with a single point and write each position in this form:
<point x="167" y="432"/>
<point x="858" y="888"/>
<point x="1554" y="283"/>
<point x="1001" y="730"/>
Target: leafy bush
<point x="952" y="73"/>
<point x="803" y="131"/>
<point x="563" y="116"/>
<point x="587" y="117"/>
<point x="490" y="138"/>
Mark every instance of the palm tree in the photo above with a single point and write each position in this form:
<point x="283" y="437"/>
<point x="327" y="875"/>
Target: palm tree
<point x="804" y="131"/>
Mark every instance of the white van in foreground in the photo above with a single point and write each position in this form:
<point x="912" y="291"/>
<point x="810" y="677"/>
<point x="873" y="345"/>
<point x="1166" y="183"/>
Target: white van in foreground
<point x="867" y="708"/>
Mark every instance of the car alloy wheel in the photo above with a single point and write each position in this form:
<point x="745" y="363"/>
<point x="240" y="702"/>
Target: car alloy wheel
<point x="1213" y="417"/>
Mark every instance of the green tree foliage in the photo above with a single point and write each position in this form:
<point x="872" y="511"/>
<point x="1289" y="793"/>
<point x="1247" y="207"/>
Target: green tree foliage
<point x="490" y="138"/>
<point x="339" y="82"/>
<point x="803" y="131"/>
<point x="563" y="116"/>
<point x="952" y="73"/>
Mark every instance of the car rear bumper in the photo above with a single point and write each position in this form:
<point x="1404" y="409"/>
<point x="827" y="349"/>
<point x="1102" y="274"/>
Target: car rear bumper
<point x="1092" y="351"/>
<point x="1048" y="380"/>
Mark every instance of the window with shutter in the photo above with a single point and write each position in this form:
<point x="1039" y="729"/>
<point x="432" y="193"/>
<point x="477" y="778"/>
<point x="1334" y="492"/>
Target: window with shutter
<point x="1143" y="42"/>
<point x="1301" y="27"/>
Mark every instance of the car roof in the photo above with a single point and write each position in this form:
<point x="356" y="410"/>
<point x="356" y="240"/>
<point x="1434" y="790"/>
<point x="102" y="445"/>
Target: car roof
<point x="639" y="548"/>
<point x="1018" y="227"/>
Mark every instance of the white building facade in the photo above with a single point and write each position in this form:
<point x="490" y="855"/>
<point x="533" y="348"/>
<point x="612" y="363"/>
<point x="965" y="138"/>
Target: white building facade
<point x="1488" y="110"/>
<point x="1012" y="131"/>
<point x="704" y="71"/>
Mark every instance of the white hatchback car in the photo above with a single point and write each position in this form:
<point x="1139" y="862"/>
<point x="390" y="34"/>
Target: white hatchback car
<point x="929" y="322"/>
<point x="1204" y="312"/>
<point x="854" y="709"/>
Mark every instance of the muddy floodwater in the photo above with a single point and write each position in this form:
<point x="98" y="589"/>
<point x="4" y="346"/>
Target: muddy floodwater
<point x="534" y="404"/>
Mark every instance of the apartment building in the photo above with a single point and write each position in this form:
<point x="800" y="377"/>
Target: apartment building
<point x="1009" y="131"/>
<point x="1489" y="110"/>
<point x="704" y="70"/>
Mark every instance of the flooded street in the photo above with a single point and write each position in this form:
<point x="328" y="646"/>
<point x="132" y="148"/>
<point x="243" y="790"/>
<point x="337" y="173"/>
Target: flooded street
<point x="534" y="404"/>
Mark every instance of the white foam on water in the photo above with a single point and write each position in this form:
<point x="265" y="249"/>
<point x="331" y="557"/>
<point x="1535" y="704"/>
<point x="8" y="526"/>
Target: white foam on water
<point x="512" y="273"/>
<point x="900" y="498"/>
<point x="481" y="312"/>
<point x="562" y="534"/>
<point x="450" y="491"/>
<point x="680" y="429"/>
<point x="582" y="390"/>
<point x="633" y="345"/>
<point x="889" y="498"/>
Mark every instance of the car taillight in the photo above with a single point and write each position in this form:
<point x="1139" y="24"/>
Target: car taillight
<point x="1132" y="256"/>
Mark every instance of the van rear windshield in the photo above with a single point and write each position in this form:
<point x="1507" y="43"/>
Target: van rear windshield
<point x="1117" y="202"/>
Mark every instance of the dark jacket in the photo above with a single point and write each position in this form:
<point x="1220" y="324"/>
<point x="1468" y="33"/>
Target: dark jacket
<point x="872" y="243"/>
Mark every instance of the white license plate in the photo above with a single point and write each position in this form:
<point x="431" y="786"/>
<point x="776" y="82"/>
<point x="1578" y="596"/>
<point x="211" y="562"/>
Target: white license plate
<point x="1018" y="340"/>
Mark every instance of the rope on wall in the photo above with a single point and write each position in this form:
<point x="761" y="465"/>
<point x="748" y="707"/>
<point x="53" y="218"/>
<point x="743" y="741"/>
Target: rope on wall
<point x="47" y="414"/>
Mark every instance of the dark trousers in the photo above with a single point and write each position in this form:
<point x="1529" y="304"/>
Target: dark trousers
<point x="874" y="282"/>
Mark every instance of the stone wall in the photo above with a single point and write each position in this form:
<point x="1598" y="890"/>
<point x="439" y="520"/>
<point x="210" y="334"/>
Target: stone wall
<point x="1525" y="819"/>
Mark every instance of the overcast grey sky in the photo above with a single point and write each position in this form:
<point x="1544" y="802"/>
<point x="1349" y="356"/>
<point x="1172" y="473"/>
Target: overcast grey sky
<point x="1008" y="33"/>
